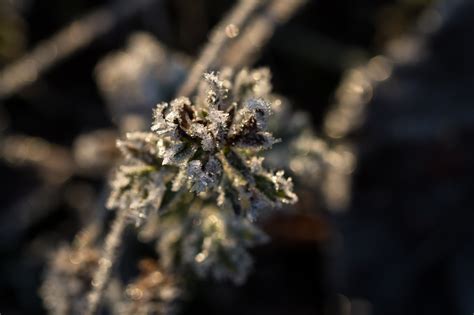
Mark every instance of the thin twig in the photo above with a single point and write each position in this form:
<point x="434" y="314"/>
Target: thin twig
<point x="226" y="30"/>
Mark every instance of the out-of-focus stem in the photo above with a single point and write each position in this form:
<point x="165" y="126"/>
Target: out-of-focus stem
<point x="106" y="263"/>
<point x="226" y="30"/>
<point x="260" y="29"/>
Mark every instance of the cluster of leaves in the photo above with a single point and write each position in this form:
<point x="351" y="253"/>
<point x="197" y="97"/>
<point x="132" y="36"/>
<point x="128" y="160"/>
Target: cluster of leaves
<point x="197" y="181"/>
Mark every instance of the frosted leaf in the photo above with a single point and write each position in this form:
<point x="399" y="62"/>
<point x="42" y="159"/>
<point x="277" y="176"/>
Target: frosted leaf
<point x="284" y="186"/>
<point x="160" y="125"/>
<point x="217" y="121"/>
<point x="237" y="162"/>
<point x="153" y="191"/>
<point x="213" y="168"/>
<point x="276" y="187"/>
<point x="180" y="112"/>
<point x="213" y="80"/>
<point x="127" y="178"/>
<point x="216" y="245"/>
<point x="208" y="143"/>
<point x="178" y="154"/>
<point x="260" y="110"/>
<point x="139" y="189"/>
<point x="200" y="131"/>
<point x="213" y="171"/>
<point x="196" y="176"/>
<point x="258" y="140"/>
<point x="217" y="92"/>
<point x="202" y="179"/>
<point x="140" y="146"/>
<point x="249" y="130"/>
<point x="167" y="118"/>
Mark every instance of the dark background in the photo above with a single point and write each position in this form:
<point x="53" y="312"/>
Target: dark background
<point x="405" y="243"/>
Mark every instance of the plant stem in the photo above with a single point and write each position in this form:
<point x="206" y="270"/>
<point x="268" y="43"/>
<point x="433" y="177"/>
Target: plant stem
<point x="103" y="273"/>
<point x="227" y="29"/>
<point x="260" y="29"/>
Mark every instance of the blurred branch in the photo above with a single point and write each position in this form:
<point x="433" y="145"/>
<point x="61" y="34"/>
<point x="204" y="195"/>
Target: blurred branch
<point x="76" y="36"/>
<point x="54" y="163"/>
<point x="357" y="86"/>
<point x="352" y="96"/>
<point x="254" y="37"/>
<point x="93" y="154"/>
<point x="227" y="29"/>
<point x="103" y="273"/>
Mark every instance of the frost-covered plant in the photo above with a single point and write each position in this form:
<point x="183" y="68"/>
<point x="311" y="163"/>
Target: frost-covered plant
<point x="206" y="151"/>
<point x="197" y="181"/>
<point x="209" y="147"/>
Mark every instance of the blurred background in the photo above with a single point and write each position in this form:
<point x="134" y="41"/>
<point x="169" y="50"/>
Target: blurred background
<point x="392" y="80"/>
